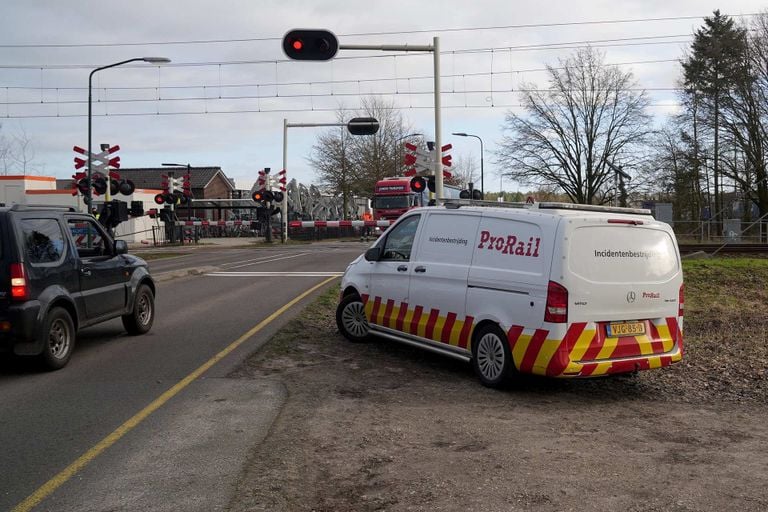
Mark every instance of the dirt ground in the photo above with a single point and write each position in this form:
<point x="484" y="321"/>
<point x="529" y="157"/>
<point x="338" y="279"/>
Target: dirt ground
<point x="382" y="426"/>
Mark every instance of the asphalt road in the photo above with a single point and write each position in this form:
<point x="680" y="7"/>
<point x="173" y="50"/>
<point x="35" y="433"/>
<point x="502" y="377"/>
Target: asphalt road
<point x="50" y="420"/>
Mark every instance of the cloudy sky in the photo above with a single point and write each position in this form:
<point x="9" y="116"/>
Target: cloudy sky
<point x="223" y="98"/>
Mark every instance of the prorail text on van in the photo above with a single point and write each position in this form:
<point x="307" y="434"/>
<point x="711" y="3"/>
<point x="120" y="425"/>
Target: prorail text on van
<point x="510" y="245"/>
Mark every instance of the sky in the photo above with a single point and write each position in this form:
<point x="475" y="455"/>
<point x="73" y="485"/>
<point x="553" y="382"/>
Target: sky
<point x="223" y="98"/>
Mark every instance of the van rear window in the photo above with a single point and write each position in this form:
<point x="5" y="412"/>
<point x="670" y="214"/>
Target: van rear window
<point x="619" y="254"/>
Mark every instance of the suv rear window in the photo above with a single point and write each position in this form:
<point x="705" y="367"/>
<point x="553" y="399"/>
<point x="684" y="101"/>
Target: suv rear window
<point x="43" y="240"/>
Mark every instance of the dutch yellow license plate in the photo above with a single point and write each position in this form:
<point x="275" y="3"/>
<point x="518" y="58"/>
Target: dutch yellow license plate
<point x="616" y="329"/>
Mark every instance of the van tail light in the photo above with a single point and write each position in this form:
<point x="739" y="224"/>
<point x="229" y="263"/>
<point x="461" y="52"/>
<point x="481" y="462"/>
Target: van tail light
<point x="19" y="290"/>
<point x="681" y="301"/>
<point x="556" y="310"/>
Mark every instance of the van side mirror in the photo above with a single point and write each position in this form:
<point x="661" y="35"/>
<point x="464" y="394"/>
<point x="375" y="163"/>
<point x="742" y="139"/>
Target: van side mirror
<point x="373" y="254"/>
<point x="121" y="247"/>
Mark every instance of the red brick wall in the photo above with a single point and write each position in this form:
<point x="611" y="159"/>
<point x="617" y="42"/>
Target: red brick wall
<point x="218" y="188"/>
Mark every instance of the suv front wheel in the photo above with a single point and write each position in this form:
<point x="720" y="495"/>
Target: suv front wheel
<point x="58" y="339"/>
<point x="139" y="321"/>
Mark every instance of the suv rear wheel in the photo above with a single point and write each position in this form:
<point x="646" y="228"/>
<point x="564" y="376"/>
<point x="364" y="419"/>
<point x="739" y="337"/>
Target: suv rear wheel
<point x="139" y="321"/>
<point x="58" y="339"/>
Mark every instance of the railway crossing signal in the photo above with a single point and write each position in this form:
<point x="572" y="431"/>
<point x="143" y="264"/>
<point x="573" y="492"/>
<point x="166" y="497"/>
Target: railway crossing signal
<point x="101" y="165"/>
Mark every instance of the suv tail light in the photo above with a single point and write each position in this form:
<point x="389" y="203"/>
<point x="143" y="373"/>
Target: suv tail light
<point x="556" y="310"/>
<point x="681" y="301"/>
<point x="19" y="290"/>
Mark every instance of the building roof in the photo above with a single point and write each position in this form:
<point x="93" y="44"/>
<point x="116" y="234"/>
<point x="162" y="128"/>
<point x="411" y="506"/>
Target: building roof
<point x="151" y="177"/>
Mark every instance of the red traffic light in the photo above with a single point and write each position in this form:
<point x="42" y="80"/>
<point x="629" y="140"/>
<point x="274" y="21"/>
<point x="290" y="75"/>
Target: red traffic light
<point x="418" y="184"/>
<point x="310" y="44"/>
<point x="258" y="195"/>
<point x="159" y="199"/>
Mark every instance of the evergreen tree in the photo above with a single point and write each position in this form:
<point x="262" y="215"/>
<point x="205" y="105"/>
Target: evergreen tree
<point x="711" y="72"/>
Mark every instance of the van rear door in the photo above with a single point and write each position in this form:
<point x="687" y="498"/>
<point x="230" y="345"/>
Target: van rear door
<point x="623" y="276"/>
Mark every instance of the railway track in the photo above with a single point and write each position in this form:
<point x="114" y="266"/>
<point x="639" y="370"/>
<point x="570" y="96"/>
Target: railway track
<point x="723" y="248"/>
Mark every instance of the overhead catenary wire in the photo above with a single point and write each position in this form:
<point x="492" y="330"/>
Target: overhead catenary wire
<point x="279" y="110"/>
<point x="568" y="45"/>
<point x="379" y="33"/>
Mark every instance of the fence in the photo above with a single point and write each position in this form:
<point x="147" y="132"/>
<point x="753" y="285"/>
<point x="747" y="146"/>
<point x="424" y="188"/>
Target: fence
<point x="728" y="231"/>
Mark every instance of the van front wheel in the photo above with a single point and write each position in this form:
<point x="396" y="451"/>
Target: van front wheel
<point x="491" y="357"/>
<point x="350" y="319"/>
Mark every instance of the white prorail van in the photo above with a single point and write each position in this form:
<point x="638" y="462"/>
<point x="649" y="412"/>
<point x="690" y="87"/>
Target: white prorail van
<point x="553" y="289"/>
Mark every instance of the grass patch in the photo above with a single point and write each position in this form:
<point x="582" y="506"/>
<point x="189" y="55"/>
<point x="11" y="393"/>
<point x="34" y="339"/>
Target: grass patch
<point x="316" y="323"/>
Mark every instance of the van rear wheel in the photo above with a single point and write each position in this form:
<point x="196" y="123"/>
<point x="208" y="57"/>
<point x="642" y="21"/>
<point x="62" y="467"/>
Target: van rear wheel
<point x="351" y="320"/>
<point x="491" y="357"/>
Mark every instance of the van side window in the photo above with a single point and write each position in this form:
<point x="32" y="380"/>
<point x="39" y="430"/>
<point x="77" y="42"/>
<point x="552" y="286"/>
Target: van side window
<point x="399" y="240"/>
<point x="43" y="240"/>
<point x="88" y="238"/>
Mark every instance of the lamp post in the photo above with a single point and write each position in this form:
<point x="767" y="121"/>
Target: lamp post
<point x="482" y="183"/>
<point x="152" y="60"/>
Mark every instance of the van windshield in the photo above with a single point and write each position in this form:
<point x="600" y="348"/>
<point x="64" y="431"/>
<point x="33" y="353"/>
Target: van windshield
<point x="620" y="254"/>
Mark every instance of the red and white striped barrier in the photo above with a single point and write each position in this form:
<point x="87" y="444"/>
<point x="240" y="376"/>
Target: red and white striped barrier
<point x="339" y="223"/>
<point x="213" y="222"/>
<point x="294" y="223"/>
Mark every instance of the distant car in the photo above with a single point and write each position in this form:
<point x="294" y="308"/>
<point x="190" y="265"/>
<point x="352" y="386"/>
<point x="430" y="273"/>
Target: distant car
<point x="60" y="272"/>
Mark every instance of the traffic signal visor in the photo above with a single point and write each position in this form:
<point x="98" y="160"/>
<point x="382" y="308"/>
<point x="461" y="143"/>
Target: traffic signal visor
<point x="310" y="44"/>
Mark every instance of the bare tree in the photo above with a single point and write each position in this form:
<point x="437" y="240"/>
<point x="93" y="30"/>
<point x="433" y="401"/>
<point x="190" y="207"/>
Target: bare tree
<point x="465" y="170"/>
<point x="351" y="165"/>
<point x="591" y="115"/>
<point x="17" y="154"/>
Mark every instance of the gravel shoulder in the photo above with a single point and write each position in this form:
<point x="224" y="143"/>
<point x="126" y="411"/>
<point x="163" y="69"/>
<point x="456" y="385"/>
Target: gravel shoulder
<point x="381" y="426"/>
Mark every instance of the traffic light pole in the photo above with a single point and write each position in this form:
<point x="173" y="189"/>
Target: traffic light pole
<point x="435" y="49"/>
<point x="284" y="205"/>
<point x="286" y="125"/>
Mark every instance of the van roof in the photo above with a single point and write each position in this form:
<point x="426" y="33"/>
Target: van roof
<point x="553" y="208"/>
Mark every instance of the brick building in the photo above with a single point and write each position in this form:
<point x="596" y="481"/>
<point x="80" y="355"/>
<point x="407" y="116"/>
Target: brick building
<point x="207" y="183"/>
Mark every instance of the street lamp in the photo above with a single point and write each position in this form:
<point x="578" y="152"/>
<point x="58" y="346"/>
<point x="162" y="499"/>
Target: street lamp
<point x="152" y="60"/>
<point x="482" y="184"/>
<point x="397" y="148"/>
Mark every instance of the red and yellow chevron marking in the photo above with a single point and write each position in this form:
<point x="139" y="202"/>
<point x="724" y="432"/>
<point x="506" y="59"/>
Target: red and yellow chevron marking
<point x="430" y="324"/>
<point x="584" y="350"/>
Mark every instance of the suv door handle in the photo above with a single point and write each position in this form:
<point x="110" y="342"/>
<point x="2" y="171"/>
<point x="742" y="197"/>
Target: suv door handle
<point x="420" y="269"/>
<point x="402" y="268"/>
<point x="85" y="271"/>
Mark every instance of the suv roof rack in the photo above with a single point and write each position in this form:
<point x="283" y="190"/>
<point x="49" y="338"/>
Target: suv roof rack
<point x="25" y="207"/>
<point x="458" y="203"/>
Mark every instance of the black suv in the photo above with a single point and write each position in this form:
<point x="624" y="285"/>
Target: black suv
<point x="59" y="272"/>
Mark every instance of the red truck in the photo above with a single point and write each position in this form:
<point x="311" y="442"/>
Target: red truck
<point x="392" y="197"/>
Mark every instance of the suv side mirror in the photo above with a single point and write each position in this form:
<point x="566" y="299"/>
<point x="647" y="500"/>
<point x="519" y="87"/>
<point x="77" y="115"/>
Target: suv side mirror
<point x="373" y="254"/>
<point x="121" y="247"/>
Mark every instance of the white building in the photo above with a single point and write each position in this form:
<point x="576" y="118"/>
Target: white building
<point x="41" y="190"/>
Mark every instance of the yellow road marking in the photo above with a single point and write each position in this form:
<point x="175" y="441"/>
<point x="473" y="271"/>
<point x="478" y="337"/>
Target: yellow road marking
<point x="57" y="481"/>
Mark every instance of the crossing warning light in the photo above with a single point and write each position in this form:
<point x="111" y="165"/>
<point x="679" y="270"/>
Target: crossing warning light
<point x="418" y="184"/>
<point x="262" y="195"/>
